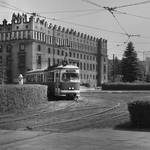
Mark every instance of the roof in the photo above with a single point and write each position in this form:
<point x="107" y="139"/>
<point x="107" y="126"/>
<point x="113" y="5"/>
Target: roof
<point x="53" y="68"/>
<point x="67" y="67"/>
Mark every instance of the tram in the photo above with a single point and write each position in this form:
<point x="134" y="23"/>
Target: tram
<point x="61" y="80"/>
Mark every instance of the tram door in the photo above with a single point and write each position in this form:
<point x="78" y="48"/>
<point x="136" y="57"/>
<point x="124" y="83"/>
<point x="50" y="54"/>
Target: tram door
<point x="57" y="81"/>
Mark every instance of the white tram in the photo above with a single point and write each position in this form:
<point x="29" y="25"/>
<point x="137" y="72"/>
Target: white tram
<point x="61" y="80"/>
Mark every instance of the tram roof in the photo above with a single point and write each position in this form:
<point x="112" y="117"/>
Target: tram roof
<point x="67" y="67"/>
<point x="37" y="70"/>
<point x="53" y="68"/>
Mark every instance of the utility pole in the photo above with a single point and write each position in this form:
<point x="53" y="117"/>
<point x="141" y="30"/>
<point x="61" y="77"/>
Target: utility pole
<point x="113" y="67"/>
<point x="53" y="40"/>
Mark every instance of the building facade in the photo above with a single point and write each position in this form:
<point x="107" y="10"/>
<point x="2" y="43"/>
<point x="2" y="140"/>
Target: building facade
<point x="31" y="43"/>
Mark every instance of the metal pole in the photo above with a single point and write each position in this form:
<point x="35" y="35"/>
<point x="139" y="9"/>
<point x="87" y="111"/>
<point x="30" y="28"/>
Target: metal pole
<point x="53" y="40"/>
<point x="113" y="67"/>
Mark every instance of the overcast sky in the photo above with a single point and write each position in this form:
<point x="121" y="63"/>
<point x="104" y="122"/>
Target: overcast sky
<point x="102" y="23"/>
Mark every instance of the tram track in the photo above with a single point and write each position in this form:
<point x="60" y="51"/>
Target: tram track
<point x="72" y="114"/>
<point x="70" y="108"/>
<point x="9" y="117"/>
<point x="74" y="121"/>
<point x="53" y="116"/>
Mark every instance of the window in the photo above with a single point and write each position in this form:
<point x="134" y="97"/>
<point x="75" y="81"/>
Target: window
<point x="49" y="62"/>
<point x="1" y="60"/>
<point x="93" y="58"/>
<point x="80" y="56"/>
<point x="74" y="55"/>
<point x="58" y="52"/>
<point x="22" y="47"/>
<point x="21" y="61"/>
<point x="81" y="65"/>
<point x="90" y="57"/>
<point x="39" y="47"/>
<point x="84" y="56"/>
<point x="84" y="66"/>
<point x="93" y="76"/>
<point x="87" y="57"/>
<point x="66" y="54"/>
<point x="26" y="26"/>
<point x="104" y="69"/>
<point x="87" y="66"/>
<point x="93" y="67"/>
<point x="104" y="77"/>
<point x="17" y="27"/>
<point x="70" y="54"/>
<point x="62" y="53"/>
<point x="49" y="50"/>
<point x="39" y="61"/>
<point x="8" y="60"/>
<point x="8" y="49"/>
<point x="1" y="48"/>
<point x="104" y="59"/>
<point x="77" y="55"/>
<point x="70" y="76"/>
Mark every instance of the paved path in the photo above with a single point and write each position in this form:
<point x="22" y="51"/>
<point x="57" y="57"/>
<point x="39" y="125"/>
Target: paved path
<point x="93" y="139"/>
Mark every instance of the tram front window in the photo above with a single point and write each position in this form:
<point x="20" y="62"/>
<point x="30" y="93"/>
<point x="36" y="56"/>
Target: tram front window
<point x="70" y="76"/>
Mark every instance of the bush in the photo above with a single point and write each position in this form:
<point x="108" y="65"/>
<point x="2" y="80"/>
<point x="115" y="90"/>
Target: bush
<point x="18" y="97"/>
<point x="126" y="86"/>
<point x="139" y="113"/>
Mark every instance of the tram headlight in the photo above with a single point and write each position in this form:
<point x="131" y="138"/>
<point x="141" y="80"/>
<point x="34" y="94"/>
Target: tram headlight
<point x="72" y="88"/>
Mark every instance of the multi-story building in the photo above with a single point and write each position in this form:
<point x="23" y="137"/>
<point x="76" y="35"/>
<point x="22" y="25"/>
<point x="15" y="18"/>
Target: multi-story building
<point x="32" y="43"/>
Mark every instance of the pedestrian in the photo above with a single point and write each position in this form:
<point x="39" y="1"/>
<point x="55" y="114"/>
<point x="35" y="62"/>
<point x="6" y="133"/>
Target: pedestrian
<point x="20" y="79"/>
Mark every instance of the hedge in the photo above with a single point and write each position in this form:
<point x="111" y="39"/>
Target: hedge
<point x="126" y="86"/>
<point x="18" y="97"/>
<point x="139" y="113"/>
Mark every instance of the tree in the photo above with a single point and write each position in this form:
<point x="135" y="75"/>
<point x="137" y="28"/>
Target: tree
<point x="114" y="69"/>
<point x="130" y="68"/>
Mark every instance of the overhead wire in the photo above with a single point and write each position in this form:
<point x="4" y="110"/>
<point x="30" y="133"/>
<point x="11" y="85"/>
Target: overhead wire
<point x="119" y="24"/>
<point x="113" y="10"/>
<point x="9" y="6"/>
<point x="134" y="4"/>
<point x="81" y="15"/>
<point x="129" y="14"/>
<point x="81" y="25"/>
<point x="67" y="11"/>
<point x="110" y="10"/>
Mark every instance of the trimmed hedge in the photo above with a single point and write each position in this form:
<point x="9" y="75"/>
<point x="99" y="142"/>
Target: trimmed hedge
<point x="126" y="86"/>
<point x="18" y="97"/>
<point x="140" y="113"/>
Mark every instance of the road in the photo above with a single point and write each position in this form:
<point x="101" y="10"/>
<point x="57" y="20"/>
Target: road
<point x="86" y="124"/>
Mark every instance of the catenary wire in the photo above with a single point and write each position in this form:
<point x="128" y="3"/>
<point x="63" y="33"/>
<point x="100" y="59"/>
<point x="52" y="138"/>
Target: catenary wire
<point x="133" y="15"/>
<point x="15" y="8"/>
<point x="81" y="15"/>
<point x="67" y="11"/>
<point x="110" y="11"/>
<point x="134" y="4"/>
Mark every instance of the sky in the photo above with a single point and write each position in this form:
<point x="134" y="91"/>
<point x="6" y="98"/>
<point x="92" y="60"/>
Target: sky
<point x="86" y="17"/>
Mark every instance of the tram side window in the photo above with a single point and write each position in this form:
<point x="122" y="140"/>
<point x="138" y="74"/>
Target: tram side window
<point x="57" y="76"/>
<point x="50" y="76"/>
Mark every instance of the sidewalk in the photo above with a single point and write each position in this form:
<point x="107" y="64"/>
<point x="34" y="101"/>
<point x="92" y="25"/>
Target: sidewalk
<point x="88" y="89"/>
<point x="93" y="139"/>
